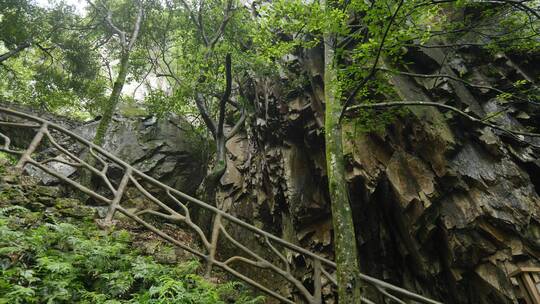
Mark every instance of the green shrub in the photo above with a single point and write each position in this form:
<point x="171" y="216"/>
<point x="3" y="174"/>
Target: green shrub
<point x="65" y="263"/>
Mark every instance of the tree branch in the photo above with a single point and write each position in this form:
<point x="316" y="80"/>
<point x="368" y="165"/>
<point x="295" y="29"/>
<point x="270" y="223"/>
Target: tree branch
<point x="467" y="83"/>
<point x="519" y="5"/>
<point x="227" y="16"/>
<point x="108" y="20"/>
<point x="201" y="106"/>
<point x="481" y="121"/>
<point x="14" y="51"/>
<point x="121" y="34"/>
<point x="196" y="20"/>
<point x="136" y="27"/>
<point x="416" y="75"/>
<point x="200" y="22"/>
<point x="226" y="95"/>
<point x="234" y="104"/>
<point x="237" y="127"/>
<point x="373" y="69"/>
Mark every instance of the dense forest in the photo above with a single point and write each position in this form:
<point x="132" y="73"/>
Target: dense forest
<point x="397" y="138"/>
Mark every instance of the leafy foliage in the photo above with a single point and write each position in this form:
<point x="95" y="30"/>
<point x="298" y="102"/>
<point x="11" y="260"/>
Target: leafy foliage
<point x="63" y="263"/>
<point x="59" y="69"/>
<point x="376" y="34"/>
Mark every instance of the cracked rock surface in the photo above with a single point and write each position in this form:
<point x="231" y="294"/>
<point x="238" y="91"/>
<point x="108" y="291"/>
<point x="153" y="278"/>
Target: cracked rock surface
<point x="442" y="206"/>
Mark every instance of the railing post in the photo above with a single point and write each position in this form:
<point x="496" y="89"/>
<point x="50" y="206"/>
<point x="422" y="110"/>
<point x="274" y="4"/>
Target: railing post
<point x="317" y="283"/>
<point x="213" y="245"/>
<point x="528" y="278"/>
<point x="33" y="146"/>
<point x="118" y="196"/>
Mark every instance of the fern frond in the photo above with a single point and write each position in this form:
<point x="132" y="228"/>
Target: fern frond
<point x="4" y="211"/>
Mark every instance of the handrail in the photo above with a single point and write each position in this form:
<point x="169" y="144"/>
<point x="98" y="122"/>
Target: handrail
<point x="528" y="279"/>
<point x="98" y="161"/>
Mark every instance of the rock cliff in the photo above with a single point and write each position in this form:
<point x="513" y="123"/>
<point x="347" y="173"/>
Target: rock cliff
<point x="442" y="206"/>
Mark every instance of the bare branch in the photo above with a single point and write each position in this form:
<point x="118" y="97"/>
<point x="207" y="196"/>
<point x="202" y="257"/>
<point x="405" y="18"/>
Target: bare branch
<point x="226" y="95"/>
<point x="121" y="34"/>
<point x="481" y="121"/>
<point x="470" y="84"/>
<point x="234" y="104"/>
<point x="136" y="27"/>
<point x="102" y="43"/>
<point x="201" y="106"/>
<point x="14" y="51"/>
<point x="126" y="45"/>
<point x="238" y="126"/>
<point x="519" y="5"/>
<point x="46" y="51"/>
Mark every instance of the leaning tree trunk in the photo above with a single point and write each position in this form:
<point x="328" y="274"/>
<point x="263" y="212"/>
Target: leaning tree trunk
<point x="110" y="106"/>
<point x="106" y="118"/>
<point x="348" y="272"/>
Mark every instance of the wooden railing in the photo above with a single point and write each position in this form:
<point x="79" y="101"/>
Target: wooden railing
<point x="528" y="279"/>
<point x="52" y="140"/>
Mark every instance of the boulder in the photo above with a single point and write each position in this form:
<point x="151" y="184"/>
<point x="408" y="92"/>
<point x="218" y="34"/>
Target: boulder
<point x="167" y="149"/>
<point x="73" y="208"/>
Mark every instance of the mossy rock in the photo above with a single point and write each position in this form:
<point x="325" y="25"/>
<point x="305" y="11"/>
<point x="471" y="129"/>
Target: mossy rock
<point x="149" y="247"/>
<point x="161" y="252"/>
<point x="28" y="219"/>
<point x="166" y="255"/>
<point x="36" y="206"/>
<point x="132" y="110"/>
<point x="47" y="191"/>
<point x="9" y="178"/>
<point x="74" y="208"/>
<point x="43" y="194"/>
<point x="13" y="196"/>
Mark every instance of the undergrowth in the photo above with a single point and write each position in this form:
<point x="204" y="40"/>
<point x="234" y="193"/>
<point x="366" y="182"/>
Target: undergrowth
<point x="51" y="261"/>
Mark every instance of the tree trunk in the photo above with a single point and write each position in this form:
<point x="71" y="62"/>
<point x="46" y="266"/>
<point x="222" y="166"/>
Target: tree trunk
<point x="218" y="132"/>
<point x="348" y="272"/>
<point x="220" y="151"/>
<point x="106" y="118"/>
<point x="110" y="107"/>
<point x="211" y="181"/>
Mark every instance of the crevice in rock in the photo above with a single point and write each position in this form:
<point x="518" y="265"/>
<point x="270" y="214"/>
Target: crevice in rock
<point x="444" y="253"/>
<point x="533" y="170"/>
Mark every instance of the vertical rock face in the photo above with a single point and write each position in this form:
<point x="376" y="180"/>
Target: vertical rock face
<point x="442" y="206"/>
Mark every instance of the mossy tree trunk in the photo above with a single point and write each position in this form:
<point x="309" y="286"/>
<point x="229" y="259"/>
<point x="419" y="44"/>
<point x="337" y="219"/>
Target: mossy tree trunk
<point x="348" y="272"/>
<point x="106" y="118"/>
<point x="126" y="43"/>
<point x="112" y="102"/>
